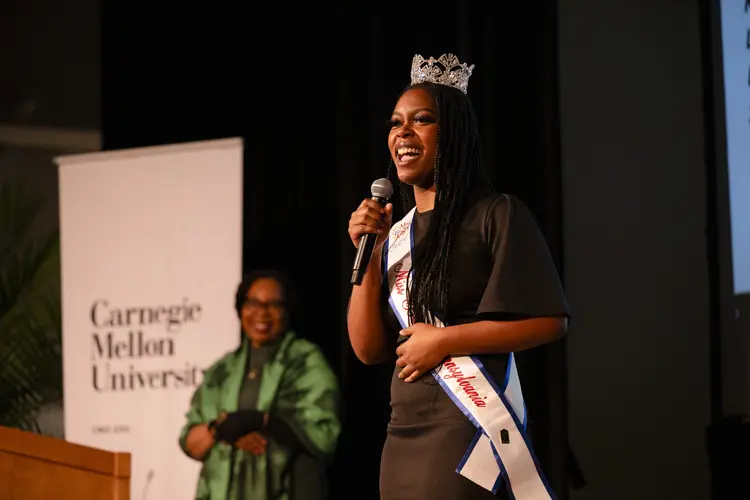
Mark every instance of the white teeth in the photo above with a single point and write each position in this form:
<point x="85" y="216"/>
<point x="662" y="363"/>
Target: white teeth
<point x="403" y="151"/>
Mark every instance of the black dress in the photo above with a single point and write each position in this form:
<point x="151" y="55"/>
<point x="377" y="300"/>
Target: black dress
<point x="501" y="269"/>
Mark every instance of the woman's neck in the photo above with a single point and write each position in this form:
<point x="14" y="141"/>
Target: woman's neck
<point x="425" y="198"/>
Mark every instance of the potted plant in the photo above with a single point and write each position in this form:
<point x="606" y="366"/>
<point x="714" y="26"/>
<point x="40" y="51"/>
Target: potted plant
<point x="30" y="317"/>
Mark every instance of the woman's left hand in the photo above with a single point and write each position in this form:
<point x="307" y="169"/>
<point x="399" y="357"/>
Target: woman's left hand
<point x="422" y="352"/>
<point x="253" y="443"/>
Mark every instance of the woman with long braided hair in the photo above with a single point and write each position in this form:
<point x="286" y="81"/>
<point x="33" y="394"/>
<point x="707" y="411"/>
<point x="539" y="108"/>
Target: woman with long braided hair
<point x="453" y="289"/>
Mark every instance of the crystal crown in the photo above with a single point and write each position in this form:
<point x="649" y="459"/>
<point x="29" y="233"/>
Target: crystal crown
<point x="445" y="70"/>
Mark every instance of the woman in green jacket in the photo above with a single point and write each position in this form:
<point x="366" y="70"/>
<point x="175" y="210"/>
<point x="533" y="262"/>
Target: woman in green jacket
<point x="264" y="421"/>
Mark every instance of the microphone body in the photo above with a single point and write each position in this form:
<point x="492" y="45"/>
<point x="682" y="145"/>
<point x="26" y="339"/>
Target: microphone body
<point x="381" y="189"/>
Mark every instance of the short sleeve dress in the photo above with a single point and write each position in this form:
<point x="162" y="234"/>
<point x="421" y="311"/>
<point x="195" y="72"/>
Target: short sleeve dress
<point x="501" y="269"/>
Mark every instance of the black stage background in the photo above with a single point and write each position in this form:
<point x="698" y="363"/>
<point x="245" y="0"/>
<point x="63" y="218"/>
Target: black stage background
<point x="309" y="88"/>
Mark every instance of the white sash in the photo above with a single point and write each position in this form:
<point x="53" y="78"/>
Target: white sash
<point x="501" y="449"/>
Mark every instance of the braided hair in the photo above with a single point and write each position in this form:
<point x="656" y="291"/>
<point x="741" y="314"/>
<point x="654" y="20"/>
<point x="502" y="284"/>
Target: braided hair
<point x="458" y="170"/>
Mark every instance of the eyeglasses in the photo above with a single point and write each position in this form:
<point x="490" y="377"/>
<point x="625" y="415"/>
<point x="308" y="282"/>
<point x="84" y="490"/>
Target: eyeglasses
<point x="275" y="306"/>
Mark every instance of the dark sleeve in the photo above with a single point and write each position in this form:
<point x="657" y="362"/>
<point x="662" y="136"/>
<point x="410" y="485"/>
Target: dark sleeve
<point x="523" y="281"/>
<point x="252" y="421"/>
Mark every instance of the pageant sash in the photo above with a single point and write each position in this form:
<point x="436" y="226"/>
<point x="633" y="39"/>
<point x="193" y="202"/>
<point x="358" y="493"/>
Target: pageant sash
<point x="500" y="451"/>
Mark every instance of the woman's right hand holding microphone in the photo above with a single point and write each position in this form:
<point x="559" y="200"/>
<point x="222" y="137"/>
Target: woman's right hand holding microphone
<point x="372" y="218"/>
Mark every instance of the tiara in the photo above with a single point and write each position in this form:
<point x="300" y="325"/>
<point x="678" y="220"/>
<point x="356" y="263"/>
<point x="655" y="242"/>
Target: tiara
<point x="445" y="70"/>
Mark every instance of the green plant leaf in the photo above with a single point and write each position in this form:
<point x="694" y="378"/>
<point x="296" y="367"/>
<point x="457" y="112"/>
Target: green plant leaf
<point x="30" y="322"/>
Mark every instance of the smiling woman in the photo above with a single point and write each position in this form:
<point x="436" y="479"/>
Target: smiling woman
<point x="449" y="304"/>
<point x="413" y="138"/>
<point x="262" y="302"/>
<point x="268" y="410"/>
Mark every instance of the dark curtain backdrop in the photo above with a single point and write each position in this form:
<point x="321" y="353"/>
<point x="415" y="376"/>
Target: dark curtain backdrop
<point x="309" y="88"/>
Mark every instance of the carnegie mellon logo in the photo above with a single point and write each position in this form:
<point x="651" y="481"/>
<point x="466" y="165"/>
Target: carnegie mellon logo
<point x="123" y="336"/>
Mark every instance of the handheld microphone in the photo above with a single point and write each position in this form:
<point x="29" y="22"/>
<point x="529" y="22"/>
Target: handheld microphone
<point x="381" y="190"/>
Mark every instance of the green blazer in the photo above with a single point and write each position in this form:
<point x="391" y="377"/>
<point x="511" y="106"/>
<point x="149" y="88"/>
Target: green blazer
<point x="298" y="385"/>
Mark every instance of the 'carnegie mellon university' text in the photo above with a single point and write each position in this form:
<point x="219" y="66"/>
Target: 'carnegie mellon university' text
<point x="136" y="334"/>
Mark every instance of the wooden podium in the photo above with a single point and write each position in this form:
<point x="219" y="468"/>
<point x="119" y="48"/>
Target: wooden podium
<point x="34" y="467"/>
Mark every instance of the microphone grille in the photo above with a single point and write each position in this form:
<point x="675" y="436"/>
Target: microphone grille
<point x="382" y="188"/>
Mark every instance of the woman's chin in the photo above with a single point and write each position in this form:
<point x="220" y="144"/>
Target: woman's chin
<point x="412" y="177"/>
<point x="408" y="175"/>
<point x="260" y="338"/>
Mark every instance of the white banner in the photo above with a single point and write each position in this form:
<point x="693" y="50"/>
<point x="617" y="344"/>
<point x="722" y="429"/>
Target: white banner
<point x="151" y="249"/>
